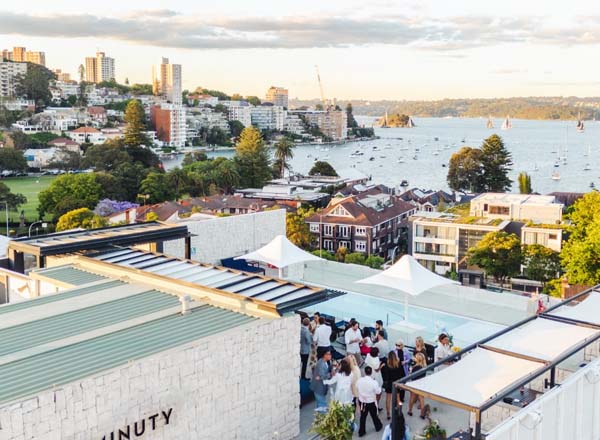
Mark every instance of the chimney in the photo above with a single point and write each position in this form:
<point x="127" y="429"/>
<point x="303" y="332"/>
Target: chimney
<point x="185" y="301"/>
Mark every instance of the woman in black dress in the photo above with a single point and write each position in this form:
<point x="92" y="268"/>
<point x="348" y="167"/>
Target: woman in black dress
<point x="391" y="371"/>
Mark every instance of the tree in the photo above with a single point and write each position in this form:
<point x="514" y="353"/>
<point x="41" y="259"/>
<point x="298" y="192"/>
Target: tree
<point x="158" y="188"/>
<point x="105" y="157"/>
<point x="236" y="128"/>
<point x="106" y="207"/>
<point x="80" y="218"/>
<point x="35" y="84"/>
<point x="12" y="200"/>
<point x="580" y="255"/>
<point x="135" y="120"/>
<point x="177" y="180"/>
<point x="68" y="192"/>
<point x="355" y="258"/>
<point x="465" y="170"/>
<point x="252" y="159"/>
<point x="12" y="159"/>
<point x="498" y="254"/>
<point x="20" y="140"/>
<point x="541" y="263"/>
<point x="129" y="177"/>
<point x="254" y="100"/>
<point x="350" y="117"/>
<point x="340" y="254"/>
<point x="496" y="163"/>
<point x="283" y="151"/>
<point x="66" y="160"/>
<point x="297" y="230"/>
<point x="196" y="156"/>
<point x="322" y="168"/>
<point x="524" y="183"/>
<point x="374" y="261"/>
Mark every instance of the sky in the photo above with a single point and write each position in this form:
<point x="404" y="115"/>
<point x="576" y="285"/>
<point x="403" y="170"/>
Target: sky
<point x="369" y="49"/>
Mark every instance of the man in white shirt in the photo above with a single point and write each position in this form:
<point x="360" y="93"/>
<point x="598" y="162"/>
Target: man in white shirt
<point x="352" y="337"/>
<point x="368" y="389"/>
<point x="383" y="346"/>
<point x="321" y="337"/>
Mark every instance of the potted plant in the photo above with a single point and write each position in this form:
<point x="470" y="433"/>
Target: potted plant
<point x="433" y="431"/>
<point x="335" y="424"/>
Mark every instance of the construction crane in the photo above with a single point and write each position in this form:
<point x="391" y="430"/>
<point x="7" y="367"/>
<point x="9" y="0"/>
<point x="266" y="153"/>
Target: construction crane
<point x="320" y="87"/>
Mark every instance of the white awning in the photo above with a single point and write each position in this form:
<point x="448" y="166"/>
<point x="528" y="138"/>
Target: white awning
<point x="476" y="378"/>
<point x="280" y="252"/>
<point x="542" y="339"/>
<point x="409" y="276"/>
<point x="587" y="310"/>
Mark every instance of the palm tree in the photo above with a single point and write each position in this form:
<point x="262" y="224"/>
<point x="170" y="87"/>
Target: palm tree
<point x="284" y="151"/>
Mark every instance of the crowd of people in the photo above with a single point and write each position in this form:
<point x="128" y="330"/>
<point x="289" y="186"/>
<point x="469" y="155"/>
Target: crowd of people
<point x="369" y="367"/>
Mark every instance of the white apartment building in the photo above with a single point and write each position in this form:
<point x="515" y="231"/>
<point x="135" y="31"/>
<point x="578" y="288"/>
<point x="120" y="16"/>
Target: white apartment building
<point x="28" y="127"/>
<point x="204" y="117"/>
<point x="167" y="81"/>
<point x="294" y="125"/>
<point x="8" y="75"/>
<point x="277" y="96"/>
<point x="40" y="157"/>
<point x="99" y="68"/>
<point x="63" y="90"/>
<point x="239" y="111"/>
<point x="440" y="242"/>
<point x="524" y="207"/>
<point x="87" y="134"/>
<point x="268" y="117"/>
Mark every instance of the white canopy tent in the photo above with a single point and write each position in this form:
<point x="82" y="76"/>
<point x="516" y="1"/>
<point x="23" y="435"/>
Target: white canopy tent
<point x="279" y="252"/>
<point x="475" y="379"/>
<point x="587" y="310"/>
<point x="542" y="339"/>
<point x="409" y="276"/>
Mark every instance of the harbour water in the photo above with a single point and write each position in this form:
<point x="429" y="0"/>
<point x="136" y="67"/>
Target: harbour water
<point x="416" y="156"/>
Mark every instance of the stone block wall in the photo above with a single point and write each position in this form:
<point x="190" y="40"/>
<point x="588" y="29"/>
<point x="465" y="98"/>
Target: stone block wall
<point x="241" y="384"/>
<point x="225" y="237"/>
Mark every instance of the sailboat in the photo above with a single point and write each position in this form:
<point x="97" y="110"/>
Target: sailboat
<point x="384" y="124"/>
<point x="580" y="126"/>
<point x="555" y="175"/>
<point x="410" y="124"/>
<point x="506" y="125"/>
<point x="490" y="123"/>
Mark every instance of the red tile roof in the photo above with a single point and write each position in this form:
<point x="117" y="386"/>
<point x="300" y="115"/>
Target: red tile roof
<point x="85" y="130"/>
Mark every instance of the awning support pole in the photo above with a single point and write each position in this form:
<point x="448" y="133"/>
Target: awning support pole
<point x="477" y="425"/>
<point x="394" y="409"/>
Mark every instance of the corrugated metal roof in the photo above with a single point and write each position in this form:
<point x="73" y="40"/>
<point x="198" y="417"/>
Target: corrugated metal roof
<point x="39" y="354"/>
<point x="13" y="307"/>
<point x="71" y="275"/>
<point x="285" y="295"/>
<point x="128" y="235"/>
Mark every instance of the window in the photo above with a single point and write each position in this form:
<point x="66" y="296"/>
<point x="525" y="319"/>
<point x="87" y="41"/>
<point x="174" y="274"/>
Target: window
<point x="328" y="245"/>
<point x="328" y="230"/>
<point x="361" y="231"/>
<point x="345" y="244"/>
<point x="500" y="210"/>
<point x="552" y="237"/>
<point x="340" y="211"/>
<point x="314" y="227"/>
<point x="344" y="231"/>
<point x="360" y="246"/>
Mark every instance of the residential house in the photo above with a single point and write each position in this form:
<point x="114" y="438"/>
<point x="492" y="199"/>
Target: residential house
<point x="428" y="200"/>
<point x="65" y="144"/>
<point x="40" y="157"/>
<point x="371" y="223"/>
<point x="87" y="135"/>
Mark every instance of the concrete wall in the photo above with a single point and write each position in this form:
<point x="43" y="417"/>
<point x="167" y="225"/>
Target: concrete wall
<point x="225" y="237"/>
<point x="241" y="384"/>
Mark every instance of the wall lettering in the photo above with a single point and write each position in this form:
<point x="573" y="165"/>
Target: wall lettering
<point x="139" y="427"/>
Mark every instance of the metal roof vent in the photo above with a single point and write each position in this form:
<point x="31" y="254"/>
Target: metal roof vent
<point x="185" y="301"/>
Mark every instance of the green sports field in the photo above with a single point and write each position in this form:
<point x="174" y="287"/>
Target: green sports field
<point x="30" y="188"/>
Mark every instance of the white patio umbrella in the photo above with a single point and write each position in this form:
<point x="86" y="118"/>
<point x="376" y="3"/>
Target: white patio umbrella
<point x="409" y="276"/>
<point x="279" y="252"/>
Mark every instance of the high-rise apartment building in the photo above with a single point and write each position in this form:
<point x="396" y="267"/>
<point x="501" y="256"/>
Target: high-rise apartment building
<point x="18" y="54"/>
<point x="167" y="81"/>
<point x="36" y="58"/>
<point x="277" y="96"/>
<point x="21" y="55"/>
<point x="169" y="122"/>
<point x="62" y="76"/>
<point x="8" y="74"/>
<point x="99" y="68"/>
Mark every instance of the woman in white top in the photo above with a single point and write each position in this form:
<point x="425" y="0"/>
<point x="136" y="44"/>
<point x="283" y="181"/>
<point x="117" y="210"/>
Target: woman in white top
<point x="442" y="351"/>
<point x="343" y="384"/>
<point x="356" y="374"/>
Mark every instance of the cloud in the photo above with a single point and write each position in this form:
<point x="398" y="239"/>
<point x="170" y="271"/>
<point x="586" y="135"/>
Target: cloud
<point x="167" y="28"/>
<point x="508" y="71"/>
